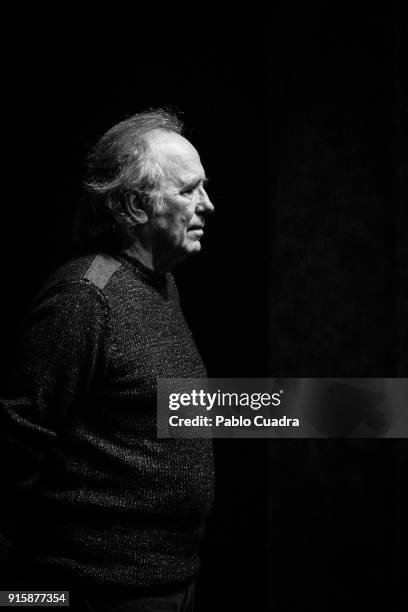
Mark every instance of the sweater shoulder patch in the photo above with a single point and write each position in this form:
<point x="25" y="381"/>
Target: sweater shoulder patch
<point x="102" y="268"/>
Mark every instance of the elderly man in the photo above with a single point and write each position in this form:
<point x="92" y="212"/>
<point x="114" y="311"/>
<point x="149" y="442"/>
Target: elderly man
<point x="116" y="513"/>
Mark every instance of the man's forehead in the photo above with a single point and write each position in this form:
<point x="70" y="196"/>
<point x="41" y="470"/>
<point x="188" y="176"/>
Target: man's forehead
<point x="175" y="153"/>
<point x="167" y="144"/>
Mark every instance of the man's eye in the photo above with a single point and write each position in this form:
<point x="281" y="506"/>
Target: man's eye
<point x="189" y="191"/>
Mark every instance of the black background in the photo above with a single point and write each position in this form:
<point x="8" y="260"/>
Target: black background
<point x="299" y="117"/>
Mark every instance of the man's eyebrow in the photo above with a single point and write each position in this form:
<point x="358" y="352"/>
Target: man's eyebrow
<point x="194" y="182"/>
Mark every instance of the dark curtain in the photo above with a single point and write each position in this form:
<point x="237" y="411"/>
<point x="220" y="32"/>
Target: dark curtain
<point x="338" y="302"/>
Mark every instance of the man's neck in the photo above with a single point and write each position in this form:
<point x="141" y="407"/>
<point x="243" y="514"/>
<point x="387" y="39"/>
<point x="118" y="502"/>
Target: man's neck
<point x="144" y="256"/>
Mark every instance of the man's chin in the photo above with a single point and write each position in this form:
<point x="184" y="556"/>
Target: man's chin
<point x="193" y="247"/>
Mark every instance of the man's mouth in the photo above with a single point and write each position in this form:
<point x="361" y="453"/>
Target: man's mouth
<point x="197" y="231"/>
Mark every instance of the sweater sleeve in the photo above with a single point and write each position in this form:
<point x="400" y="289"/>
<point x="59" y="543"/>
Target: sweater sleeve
<point x="62" y="348"/>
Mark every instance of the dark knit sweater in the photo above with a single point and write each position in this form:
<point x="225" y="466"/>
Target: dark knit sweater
<point x="115" y="504"/>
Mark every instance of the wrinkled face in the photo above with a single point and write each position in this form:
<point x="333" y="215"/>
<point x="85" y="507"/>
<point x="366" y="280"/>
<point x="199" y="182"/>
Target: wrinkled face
<point x="178" y="228"/>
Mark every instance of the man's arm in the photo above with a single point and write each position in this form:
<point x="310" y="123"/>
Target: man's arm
<point x="61" y="350"/>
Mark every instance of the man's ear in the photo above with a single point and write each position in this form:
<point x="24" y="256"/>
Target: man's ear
<point x="135" y="209"/>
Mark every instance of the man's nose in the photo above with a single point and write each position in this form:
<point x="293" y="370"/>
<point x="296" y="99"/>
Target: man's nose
<point x="204" y="204"/>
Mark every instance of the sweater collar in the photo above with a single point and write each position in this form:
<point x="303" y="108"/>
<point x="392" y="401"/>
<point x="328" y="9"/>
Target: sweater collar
<point x="157" y="279"/>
